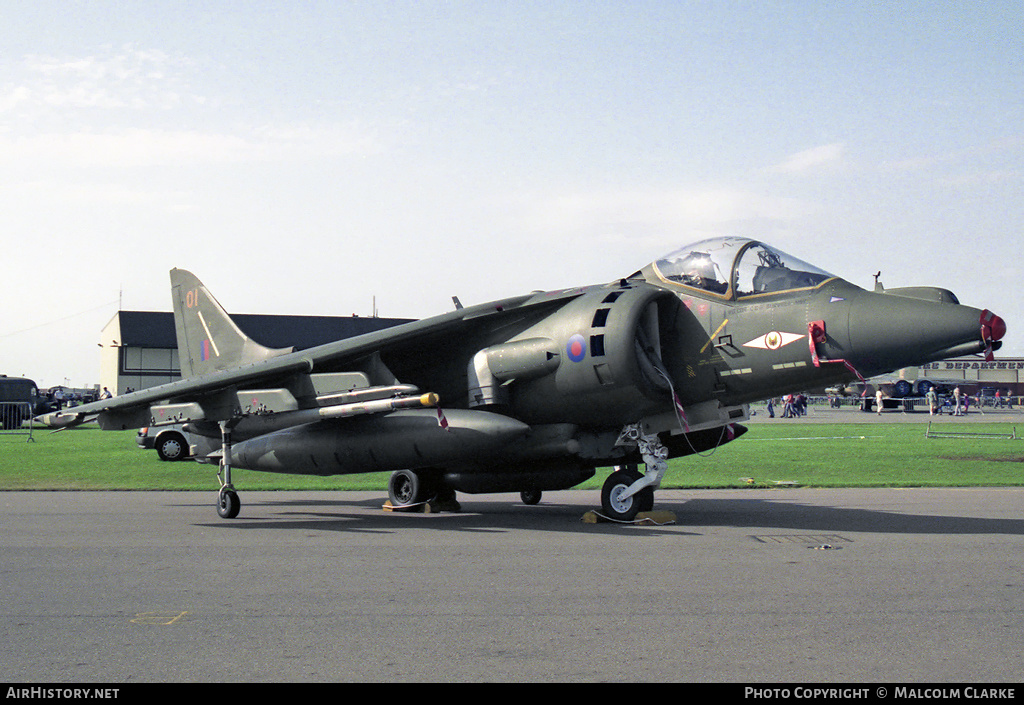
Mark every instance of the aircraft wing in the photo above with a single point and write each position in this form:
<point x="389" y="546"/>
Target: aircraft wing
<point x="297" y="377"/>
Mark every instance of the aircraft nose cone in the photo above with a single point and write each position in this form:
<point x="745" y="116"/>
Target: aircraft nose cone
<point x="993" y="327"/>
<point x="889" y="332"/>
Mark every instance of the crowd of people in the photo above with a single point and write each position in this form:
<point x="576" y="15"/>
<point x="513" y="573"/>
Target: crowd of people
<point x="959" y="404"/>
<point x="793" y="405"/>
<point x="952" y="402"/>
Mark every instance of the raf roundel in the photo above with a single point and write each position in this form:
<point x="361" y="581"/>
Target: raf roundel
<point x="577" y="348"/>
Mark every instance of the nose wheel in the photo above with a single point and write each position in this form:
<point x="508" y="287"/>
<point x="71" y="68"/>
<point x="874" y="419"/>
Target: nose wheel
<point x="621" y="505"/>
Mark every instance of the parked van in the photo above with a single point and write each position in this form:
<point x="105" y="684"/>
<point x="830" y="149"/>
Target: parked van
<point x="19" y="398"/>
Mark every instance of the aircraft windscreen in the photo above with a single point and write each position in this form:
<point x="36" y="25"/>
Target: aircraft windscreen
<point x="750" y="266"/>
<point x="762" y="270"/>
<point x="704" y="265"/>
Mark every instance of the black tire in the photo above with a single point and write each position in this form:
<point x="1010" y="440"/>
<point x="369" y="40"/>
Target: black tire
<point x="624" y="510"/>
<point x="406" y="487"/>
<point x="530" y="497"/>
<point x="228" y="504"/>
<point x="172" y="446"/>
<point x="646" y="499"/>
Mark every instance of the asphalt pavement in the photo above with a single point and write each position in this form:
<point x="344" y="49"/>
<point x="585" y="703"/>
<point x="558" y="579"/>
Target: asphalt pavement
<point x="749" y="586"/>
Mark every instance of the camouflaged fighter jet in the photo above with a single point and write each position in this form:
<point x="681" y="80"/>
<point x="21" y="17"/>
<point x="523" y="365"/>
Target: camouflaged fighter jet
<point x="534" y="393"/>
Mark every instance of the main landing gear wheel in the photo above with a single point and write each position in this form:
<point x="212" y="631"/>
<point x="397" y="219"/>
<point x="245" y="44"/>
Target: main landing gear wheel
<point x="228" y="504"/>
<point x="619" y="509"/>
<point x="406" y="488"/>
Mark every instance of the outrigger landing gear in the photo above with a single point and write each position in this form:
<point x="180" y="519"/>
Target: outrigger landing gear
<point x="627" y="492"/>
<point x="228" y="503"/>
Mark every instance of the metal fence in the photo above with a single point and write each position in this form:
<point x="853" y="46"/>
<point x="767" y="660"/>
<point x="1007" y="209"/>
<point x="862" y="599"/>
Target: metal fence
<point x="16" y="418"/>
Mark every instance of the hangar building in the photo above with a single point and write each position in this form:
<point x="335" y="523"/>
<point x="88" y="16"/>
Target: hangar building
<point x="140" y="348"/>
<point x="1005" y="374"/>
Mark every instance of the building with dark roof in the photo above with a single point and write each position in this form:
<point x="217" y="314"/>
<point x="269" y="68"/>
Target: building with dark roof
<point x="140" y="348"/>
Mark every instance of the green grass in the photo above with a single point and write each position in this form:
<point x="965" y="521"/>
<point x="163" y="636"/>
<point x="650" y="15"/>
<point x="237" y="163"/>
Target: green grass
<point x="87" y="458"/>
<point x="857" y="455"/>
<point x="815" y="455"/>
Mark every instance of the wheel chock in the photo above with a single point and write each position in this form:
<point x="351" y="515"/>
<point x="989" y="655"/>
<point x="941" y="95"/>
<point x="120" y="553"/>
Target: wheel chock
<point x="421" y="508"/>
<point x="433" y="506"/>
<point x="653" y="518"/>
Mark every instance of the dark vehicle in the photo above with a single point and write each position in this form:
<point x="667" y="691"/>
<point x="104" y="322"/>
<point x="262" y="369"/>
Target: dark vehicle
<point x="19" y="401"/>
<point x="170" y="442"/>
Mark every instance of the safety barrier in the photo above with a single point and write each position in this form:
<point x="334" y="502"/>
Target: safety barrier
<point x="13" y="418"/>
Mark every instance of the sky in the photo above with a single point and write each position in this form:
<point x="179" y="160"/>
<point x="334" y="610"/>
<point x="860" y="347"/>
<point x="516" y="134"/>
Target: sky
<point x="324" y="158"/>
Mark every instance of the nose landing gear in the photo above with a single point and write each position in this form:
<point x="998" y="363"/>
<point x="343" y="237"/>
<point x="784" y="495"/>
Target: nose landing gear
<point x="627" y="492"/>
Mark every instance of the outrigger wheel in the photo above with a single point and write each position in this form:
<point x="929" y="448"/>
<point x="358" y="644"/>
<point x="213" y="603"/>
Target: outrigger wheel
<point x="530" y="496"/>
<point x="228" y="504"/>
<point x="619" y="509"/>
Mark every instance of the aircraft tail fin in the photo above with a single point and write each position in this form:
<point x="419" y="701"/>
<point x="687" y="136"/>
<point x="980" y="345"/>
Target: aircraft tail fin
<point x="208" y="340"/>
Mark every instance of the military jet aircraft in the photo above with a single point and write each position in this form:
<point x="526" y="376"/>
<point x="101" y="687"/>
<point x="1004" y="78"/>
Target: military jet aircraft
<point x="535" y="392"/>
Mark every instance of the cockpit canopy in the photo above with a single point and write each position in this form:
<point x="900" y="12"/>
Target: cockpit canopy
<point x="736" y="267"/>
